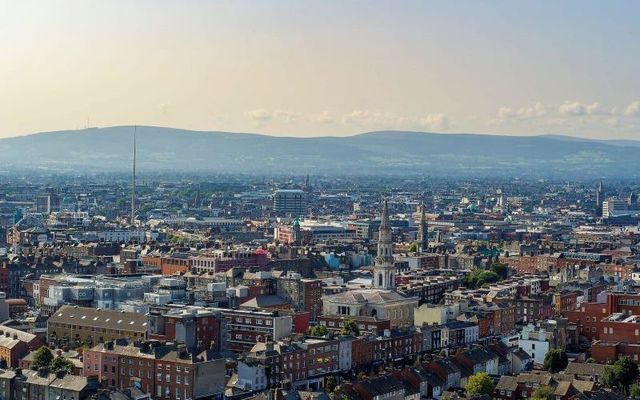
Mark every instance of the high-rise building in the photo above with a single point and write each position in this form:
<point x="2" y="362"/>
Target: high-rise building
<point x="290" y="202"/>
<point x="633" y="200"/>
<point x="48" y="203"/>
<point x="614" y="207"/>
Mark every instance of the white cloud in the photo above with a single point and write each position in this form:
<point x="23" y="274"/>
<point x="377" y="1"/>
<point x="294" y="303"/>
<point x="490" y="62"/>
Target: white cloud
<point x="259" y="115"/>
<point x="383" y="120"/>
<point x="633" y="109"/>
<point x="262" y="116"/>
<point x="438" y="122"/>
<point x="285" y="116"/>
<point x="534" y="111"/>
<point x="575" y="108"/>
<point x="371" y="118"/>
<point x="323" y="118"/>
<point x="164" y="108"/>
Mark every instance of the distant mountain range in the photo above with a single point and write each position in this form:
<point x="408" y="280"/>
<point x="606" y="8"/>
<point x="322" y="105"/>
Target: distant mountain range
<point x="386" y="152"/>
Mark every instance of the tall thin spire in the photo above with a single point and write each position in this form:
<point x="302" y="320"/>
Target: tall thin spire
<point x="133" y="179"/>
<point x="423" y="230"/>
<point x="384" y="221"/>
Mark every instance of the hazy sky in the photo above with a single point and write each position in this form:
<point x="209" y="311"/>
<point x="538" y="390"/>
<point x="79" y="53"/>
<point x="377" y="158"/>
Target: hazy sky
<point x="323" y="67"/>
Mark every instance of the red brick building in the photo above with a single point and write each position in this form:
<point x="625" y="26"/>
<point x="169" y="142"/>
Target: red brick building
<point x="566" y="301"/>
<point x="607" y="352"/>
<point x="163" y="371"/>
<point x="168" y="264"/>
<point x="12" y="350"/>
<point x="588" y="317"/>
<point x="391" y="347"/>
<point x="369" y="325"/>
<point x="198" y="328"/>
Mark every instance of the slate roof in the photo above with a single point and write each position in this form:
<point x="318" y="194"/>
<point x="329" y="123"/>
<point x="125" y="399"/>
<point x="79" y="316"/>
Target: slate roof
<point x="369" y="296"/>
<point x="382" y="385"/>
<point x="507" y="383"/>
<point x="98" y="318"/>
<point x="591" y="369"/>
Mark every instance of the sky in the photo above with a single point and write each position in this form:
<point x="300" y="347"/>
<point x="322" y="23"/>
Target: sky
<point x="325" y="67"/>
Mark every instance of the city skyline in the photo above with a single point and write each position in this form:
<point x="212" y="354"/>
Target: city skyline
<point x="323" y="69"/>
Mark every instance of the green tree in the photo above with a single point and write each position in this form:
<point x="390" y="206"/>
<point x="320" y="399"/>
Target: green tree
<point x="350" y="328"/>
<point x="555" y="360"/>
<point x="42" y="358"/>
<point x="502" y="270"/>
<point x="621" y="374"/>
<point x="479" y="277"/>
<point x="543" y="393"/>
<point x="61" y="364"/>
<point x="413" y="247"/>
<point x="634" y="390"/>
<point x="318" y="330"/>
<point x="479" y="384"/>
<point x="330" y="384"/>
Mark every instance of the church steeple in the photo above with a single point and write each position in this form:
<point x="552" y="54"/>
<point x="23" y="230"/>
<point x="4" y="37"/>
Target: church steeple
<point x="423" y="231"/>
<point x="384" y="268"/>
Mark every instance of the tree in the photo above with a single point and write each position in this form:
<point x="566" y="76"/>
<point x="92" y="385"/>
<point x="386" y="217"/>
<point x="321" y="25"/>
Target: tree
<point x="543" y="393"/>
<point x="61" y="364"/>
<point x="362" y="376"/>
<point x="479" y="277"/>
<point x="318" y="330"/>
<point x="350" y="328"/>
<point x="621" y="374"/>
<point x="479" y="384"/>
<point x="413" y="247"/>
<point x="555" y="360"/>
<point x="502" y="270"/>
<point x="42" y="358"/>
<point x="330" y="384"/>
<point x="634" y="390"/>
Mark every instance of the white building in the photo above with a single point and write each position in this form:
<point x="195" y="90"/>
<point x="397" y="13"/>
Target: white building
<point x="534" y="342"/>
<point x="435" y="314"/>
<point x="344" y="353"/>
<point x="614" y="207"/>
<point x="251" y="376"/>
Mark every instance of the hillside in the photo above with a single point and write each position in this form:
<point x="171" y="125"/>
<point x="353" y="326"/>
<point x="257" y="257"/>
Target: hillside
<point x="388" y="152"/>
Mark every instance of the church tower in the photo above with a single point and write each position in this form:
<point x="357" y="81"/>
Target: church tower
<point x="384" y="268"/>
<point x="423" y="232"/>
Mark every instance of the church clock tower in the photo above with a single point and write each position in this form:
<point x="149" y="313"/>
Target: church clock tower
<point x="384" y="268"/>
